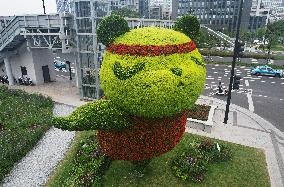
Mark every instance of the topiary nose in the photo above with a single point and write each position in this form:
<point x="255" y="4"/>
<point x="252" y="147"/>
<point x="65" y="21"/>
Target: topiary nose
<point x="177" y="71"/>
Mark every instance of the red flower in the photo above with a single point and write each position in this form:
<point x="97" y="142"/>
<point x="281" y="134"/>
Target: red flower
<point x="148" y="138"/>
<point x="151" y="50"/>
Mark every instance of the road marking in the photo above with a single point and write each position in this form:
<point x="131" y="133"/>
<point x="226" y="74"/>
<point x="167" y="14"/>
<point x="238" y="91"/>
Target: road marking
<point x="213" y="68"/>
<point x="251" y="80"/>
<point x="215" y="72"/>
<point x="209" y="78"/>
<point x="282" y="78"/>
<point x="272" y="82"/>
<point x="259" y="76"/>
<point x="282" y="83"/>
<point x="225" y="69"/>
<point x="265" y="96"/>
<point x="262" y="81"/>
<point x="243" y="67"/>
<point x="281" y="99"/>
<point x="255" y="78"/>
<point x="219" y="77"/>
<point x="247" y="83"/>
<point x="247" y="69"/>
<point x="213" y="82"/>
<point x="260" y="95"/>
<point x="270" y="77"/>
<point x="216" y="65"/>
<point x="250" y="102"/>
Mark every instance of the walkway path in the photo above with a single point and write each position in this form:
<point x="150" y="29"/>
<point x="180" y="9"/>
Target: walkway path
<point x="33" y="170"/>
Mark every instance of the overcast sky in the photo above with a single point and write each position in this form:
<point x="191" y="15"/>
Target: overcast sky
<point x="19" y="7"/>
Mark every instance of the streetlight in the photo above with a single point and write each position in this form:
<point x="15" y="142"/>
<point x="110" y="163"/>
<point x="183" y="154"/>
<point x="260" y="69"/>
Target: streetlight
<point x="43" y="7"/>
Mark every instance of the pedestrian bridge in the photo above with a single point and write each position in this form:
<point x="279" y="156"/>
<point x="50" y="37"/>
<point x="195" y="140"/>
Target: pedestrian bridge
<point x="53" y="31"/>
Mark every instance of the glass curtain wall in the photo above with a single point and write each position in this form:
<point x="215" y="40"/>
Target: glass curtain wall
<point x="87" y="15"/>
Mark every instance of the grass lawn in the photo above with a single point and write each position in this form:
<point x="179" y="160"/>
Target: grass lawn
<point x="247" y="168"/>
<point x="277" y="48"/>
<point x="24" y="118"/>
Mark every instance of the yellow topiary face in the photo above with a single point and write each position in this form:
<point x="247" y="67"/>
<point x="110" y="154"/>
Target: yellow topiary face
<point x="153" y="72"/>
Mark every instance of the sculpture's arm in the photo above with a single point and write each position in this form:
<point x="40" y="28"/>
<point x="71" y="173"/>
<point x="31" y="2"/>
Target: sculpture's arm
<point x="99" y="115"/>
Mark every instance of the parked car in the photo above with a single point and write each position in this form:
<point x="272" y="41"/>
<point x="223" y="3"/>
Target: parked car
<point x="59" y="64"/>
<point x="266" y="70"/>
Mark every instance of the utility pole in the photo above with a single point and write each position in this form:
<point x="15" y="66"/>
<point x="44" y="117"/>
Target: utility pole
<point x="236" y="54"/>
<point x="43" y="6"/>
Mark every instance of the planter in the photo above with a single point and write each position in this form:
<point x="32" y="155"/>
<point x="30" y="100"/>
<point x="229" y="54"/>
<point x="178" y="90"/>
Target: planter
<point x="202" y="125"/>
<point x="148" y="138"/>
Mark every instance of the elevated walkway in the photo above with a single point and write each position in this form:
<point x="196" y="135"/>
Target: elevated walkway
<point x="41" y="31"/>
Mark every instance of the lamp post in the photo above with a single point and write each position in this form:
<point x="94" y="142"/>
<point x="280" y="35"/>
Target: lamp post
<point x="236" y="54"/>
<point x="43" y="6"/>
<point x="69" y="65"/>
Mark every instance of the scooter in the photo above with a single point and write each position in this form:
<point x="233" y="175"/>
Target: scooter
<point x="4" y="79"/>
<point x="223" y="93"/>
<point x="25" y="81"/>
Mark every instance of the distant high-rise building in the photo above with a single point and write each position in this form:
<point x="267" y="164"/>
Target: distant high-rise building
<point x="220" y="14"/>
<point x="63" y="5"/>
<point x="223" y="14"/>
<point x="163" y="8"/>
<point x="144" y="8"/>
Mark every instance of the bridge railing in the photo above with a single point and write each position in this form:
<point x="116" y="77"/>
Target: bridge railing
<point x="18" y="25"/>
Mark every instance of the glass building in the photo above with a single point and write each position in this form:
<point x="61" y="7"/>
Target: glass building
<point x="220" y="14"/>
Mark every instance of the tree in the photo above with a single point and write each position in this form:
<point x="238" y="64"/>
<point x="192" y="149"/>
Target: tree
<point x="273" y="32"/>
<point x="125" y="12"/>
<point x="110" y="28"/>
<point x="189" y="25"/>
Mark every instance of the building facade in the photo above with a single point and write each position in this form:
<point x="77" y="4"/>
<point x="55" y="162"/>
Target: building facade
<point x="223" y="14"/>
<point x="163" y="8"/>
<point x="220" y="14"/>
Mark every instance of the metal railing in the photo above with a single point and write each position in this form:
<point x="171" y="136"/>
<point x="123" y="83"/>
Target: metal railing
<point x="25" y="25"/>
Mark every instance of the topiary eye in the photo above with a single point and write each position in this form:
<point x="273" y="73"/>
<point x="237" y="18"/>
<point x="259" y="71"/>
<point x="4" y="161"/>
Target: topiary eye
<point x="123" y="73"/>
<point x="177" y="71"/>
<point x="198" y="61"/>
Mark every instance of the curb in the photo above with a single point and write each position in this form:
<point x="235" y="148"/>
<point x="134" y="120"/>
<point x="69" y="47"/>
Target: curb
<point x="274" y="159"/>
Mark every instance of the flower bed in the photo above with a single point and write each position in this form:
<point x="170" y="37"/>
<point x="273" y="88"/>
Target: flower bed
<point x="199" y="112"/>
<point x="246" y="168"/>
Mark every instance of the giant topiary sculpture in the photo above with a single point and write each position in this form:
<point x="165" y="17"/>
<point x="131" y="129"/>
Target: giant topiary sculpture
<point x="150" y="77"/>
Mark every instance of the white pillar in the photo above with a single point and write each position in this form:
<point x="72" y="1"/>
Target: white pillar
<point x="9" y="71"/>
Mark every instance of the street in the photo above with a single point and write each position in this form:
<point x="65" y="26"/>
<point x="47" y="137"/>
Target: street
<point x="247" y="60"/>
<point x="260" y="94"/>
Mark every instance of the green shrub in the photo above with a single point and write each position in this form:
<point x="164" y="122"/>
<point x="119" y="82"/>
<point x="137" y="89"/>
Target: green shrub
<point x="99" y="115"/>
<point x="152" y="36"/>
<point x="192" y="164"/>
<point x="110" y="28"/>
<point x="24" y="118"/>
<point x="153" y="86"/>
<point x="189" y="25"/>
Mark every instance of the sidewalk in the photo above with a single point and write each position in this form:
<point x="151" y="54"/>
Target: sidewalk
<point x="247" y="128"/>
<point x="62" y="91"/>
